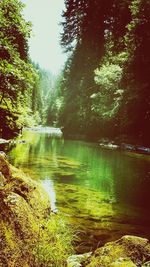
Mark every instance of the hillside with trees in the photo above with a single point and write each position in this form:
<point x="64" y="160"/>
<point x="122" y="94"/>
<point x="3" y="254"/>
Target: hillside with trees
<point x="16" y="73"/>
<point x="105" y="85"/>
<point x="24" y="86"/>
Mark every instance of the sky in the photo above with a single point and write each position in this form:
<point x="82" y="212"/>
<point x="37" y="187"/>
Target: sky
<point x="44" y="47"/>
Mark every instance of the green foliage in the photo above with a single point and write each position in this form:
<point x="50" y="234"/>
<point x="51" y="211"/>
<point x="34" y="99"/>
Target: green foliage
<point x="108" y="75"/>
<point x="17" y="75"/>
<point x="84" y="33"/>
<point x="106" y="84"/>
<point x="135" y="7"/>
<point x="26" y="118"/>
<point x="106" y="102"/>
<point x="13" y="28"/>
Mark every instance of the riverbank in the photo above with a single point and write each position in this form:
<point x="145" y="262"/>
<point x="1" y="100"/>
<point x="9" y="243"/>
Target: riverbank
<point x="128" y="251"/>
<point x="40" y="129"/>
<point x="119" y="143"/>
<point x="104" y="143"/>
<point x="30" y="234"/>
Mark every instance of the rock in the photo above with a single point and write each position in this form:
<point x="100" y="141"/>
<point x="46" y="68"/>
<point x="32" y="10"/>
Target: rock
<point x="123" y="262"/>
<point x="128" y="147"/>
<point x="109" y="146"/>
<point x="143" y="150"/>
<point x="24" y="205"/>
<point x="78" y="260"/>
<point x="129" y="251"/>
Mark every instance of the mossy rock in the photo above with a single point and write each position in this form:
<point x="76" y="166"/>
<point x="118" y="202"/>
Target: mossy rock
<point x="123" y="262"/>
<point x="24" y="206"/>
<point x="129" y="251"/>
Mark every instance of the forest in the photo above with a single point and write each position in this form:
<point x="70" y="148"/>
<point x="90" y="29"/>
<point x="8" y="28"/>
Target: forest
<point x="75" y="146"/>
<point x="25" y="88"/>
<point x="104" y="88"/>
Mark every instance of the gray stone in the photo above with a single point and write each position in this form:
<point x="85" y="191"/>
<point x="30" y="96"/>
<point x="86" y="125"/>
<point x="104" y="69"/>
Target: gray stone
<point x="77" y="260"/>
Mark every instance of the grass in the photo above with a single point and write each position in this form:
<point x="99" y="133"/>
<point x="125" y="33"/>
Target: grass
<point x="54" y="244"/>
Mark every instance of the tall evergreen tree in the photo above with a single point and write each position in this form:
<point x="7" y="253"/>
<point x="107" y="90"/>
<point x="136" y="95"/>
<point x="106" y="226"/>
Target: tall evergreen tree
<point x="84" y="27"/>
<point x="113" y="35"/>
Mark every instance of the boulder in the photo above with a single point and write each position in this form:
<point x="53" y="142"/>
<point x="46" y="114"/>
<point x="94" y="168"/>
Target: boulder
<point x="24" y="205"/>
<point x="129" y="251"/>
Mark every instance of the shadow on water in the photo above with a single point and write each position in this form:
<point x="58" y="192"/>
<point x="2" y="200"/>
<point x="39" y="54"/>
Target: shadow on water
<point x="104" y="194"/>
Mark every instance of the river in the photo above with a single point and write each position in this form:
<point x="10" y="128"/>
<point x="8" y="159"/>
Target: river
<point x="104" y="194"/>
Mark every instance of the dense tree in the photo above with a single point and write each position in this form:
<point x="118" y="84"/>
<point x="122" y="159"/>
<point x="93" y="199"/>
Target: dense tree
<point x="16" y="73"/>
<point x="131" y="116"/>
<point x="105" y="85"/>
<point x="24" y="86"/>
<point x="83" y="28"/>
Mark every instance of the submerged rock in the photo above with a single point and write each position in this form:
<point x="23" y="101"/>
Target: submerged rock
<point x="129" y="251"/>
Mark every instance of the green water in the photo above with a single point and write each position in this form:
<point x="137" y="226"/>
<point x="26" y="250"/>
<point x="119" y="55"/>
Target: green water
<point x="103" y="193"/>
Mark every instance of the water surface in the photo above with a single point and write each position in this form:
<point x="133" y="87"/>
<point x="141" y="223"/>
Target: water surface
<point x="103" y="193"/>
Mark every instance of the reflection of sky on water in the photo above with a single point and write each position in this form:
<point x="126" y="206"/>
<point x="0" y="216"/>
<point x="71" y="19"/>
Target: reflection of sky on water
<point x="49" y="188"/>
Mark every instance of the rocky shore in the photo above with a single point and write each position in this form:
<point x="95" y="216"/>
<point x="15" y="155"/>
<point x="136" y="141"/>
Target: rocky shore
<point x="112" y="145"/>
<point x="128" y="251"/>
